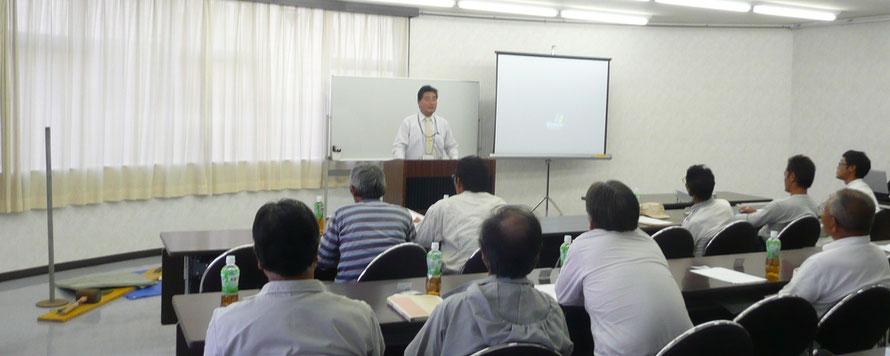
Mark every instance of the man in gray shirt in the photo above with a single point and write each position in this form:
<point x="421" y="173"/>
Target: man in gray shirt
<point x="799" y="174"/>
<point x="293" y="314"/>
<point x="503" y="308"/>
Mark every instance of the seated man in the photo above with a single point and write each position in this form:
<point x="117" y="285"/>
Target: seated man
<point x="799" y="174"/>
<point x="621" y="277"/>
<point x="854" y="165"/>
<point x="846" y="264"/>
<point x="505" y="307"/>
<point x="708" y="214"/>
<point x="455" y="221"/>
<point x="293" y="313"/>
<point x="359" y="232"/>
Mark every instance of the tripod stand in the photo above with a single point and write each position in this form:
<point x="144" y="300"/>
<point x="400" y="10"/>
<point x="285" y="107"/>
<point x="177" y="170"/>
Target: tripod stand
<point x="547" y="200"/>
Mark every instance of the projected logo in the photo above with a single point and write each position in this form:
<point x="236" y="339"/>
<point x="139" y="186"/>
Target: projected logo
<point x="556" y="123"/>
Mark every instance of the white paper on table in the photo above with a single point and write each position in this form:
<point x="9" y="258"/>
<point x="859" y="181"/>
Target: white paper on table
<point x="886" y="247"/>
<point x="549" y="289"/>
<point x="727" y="275"/>
<point x="416" y="217"/>
<point x="645" y="220"/>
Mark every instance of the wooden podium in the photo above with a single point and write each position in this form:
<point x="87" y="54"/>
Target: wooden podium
<point x="417" y="184"/>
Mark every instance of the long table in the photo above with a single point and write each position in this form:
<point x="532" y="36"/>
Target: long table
<point x="195" y="310"/>
<point x="672" y="201"/>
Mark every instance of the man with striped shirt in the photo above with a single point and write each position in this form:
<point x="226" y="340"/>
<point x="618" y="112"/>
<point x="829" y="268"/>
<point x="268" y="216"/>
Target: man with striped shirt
<point x="359" y="232"/>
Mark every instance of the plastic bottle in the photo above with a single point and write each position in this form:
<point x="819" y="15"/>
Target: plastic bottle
<point x="564" y="249"/>
<point x="434" y="270"/>
<point x="319" y="214"/>
<point x="773" y="264"/>
<point x="230" y="275"/>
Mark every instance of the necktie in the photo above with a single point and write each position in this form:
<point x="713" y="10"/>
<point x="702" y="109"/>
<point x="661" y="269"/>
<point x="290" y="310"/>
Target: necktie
<point x="429" y="137"/>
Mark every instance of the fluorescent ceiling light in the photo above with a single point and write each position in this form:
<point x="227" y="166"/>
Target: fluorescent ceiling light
<point x="516" y="9"/>
<point x="431" y="3"/>
<point x="794" y="12"/>
<point x="604" y="17"/>
<point x="710" y="4"/>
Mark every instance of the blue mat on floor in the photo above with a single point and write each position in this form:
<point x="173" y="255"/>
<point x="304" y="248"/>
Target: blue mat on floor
<point x="149" y="291"/>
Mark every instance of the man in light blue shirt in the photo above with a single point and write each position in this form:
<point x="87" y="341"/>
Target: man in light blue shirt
<point x="707" y="215"/>
<point x="799" y="175"/>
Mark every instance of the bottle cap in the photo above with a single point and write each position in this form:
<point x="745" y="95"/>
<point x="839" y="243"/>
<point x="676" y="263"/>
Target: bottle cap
<point x="230" y="259"/>
<point x="567" y="239"/>
<point x="445" y="196"/>
<point x="773" y="233"/>
<point x="435" y="246"/>
<point x="318" y="198"/>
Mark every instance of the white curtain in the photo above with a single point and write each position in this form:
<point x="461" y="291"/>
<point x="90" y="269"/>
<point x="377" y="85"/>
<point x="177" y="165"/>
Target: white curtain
<point x="167" y="98"/>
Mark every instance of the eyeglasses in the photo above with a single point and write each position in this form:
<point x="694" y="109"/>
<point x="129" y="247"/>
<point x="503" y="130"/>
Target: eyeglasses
<point x="841" y="163"/>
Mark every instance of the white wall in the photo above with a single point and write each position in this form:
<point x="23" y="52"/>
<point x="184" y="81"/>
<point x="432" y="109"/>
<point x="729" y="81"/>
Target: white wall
<point x="678" y="96"/>
<point x="841" y="97"/>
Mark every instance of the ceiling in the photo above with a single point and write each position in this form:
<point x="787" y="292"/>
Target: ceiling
<point x="661" y="14"/>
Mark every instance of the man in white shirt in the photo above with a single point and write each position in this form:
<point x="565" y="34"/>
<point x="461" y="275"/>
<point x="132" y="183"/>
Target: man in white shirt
<point x="848" y="263"/>
<point x="621" y="277"/>
<point x="424" y="135"/>
<point x="503" y="308"/>
<point x="455" y="221"/>
<point x="799" y="175"/>
<point x="707" y="214"/>
<point x="293" y="314"/>
<point x="854" y="165"/>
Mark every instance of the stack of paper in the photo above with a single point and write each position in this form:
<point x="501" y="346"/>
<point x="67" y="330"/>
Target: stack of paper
<point x="645" y="220"/>
<point x="413" y="307"/>
<point x="727" y="275"/>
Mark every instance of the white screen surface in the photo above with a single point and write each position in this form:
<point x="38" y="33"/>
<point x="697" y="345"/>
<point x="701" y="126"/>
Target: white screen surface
<point x="550" y="106"/>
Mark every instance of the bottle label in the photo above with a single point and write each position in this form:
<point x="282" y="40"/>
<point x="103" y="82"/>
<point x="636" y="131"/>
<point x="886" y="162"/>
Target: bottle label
<point x="230" y="282"/>
<point x="772" y="248"/>
<point x="433" y="266"/>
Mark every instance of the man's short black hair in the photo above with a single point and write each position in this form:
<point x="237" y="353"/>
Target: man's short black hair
<point x="700" y="181"/>
<point x="285" y="237"/>
<point x="473" y="174"/>
<point x="860" y="160"/>
<point x="804" y="170"/>
<point x="612" y="206"/>
<point x="853" y="210"/>
<point x="424" y="89"/>
<point x="511" y="241"/>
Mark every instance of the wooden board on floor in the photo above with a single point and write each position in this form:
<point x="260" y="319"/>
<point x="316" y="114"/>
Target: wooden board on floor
<point x="107" y="296"/>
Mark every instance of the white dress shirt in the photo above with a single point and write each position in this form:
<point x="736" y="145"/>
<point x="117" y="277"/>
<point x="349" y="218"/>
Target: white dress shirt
<point x="844" y="266"/>
<point x="455" y="223"/>
<point x="705" y="219"/>
<point x="410" y="142"/>
<point x="863" y="187"/>
<point x="624" y="283"/>
<point x="491" y="312"/>
<point x="780" y="212"/>
<point x="294" y="318"/>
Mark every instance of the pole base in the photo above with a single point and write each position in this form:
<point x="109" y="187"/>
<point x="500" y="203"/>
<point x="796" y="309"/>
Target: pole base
<point x="52" y="303"/>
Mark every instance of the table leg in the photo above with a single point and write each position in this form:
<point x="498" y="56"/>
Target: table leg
<point x="172" y="270"/>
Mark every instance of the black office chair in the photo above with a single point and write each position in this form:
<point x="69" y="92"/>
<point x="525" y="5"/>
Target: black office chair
<point x="718" y="337"/>
<point x="579" y="329"/>
<point x="880" y="227"/>
<point x="475" y="264"/>
<point x="516" y="349"/>
<point x="251" y="276"/>
<point x="800" y="233"/>
<point x="735" y="237"/>
<point x="857" y="322"/>
<point x="675" y="242"/>
<point x="780" y="325"/>
<point x="405" y="260"/>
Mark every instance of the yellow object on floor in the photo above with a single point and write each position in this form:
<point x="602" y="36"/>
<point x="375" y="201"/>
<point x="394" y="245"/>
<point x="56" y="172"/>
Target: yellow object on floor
<point x="107" y="296"/>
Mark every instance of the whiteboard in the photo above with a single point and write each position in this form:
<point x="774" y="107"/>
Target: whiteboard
<point x="550" y="106"/>
<point x="366" y="113"/>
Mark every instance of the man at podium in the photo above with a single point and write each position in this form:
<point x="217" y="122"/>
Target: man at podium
<point x="424" y="135"/>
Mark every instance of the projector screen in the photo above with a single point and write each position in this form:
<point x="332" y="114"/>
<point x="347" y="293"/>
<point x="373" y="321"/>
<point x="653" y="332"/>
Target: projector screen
<point x="550" y="106"/>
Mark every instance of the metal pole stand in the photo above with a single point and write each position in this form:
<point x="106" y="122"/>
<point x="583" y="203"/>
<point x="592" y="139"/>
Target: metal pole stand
<point x="546" y="200"/>
<point x="52" y="302"/>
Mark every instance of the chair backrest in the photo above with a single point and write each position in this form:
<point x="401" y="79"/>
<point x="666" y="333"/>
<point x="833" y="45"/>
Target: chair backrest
<point x="516" y="349"/>
<point x="405" y="260"/>
<point x="475" y="264"/>
<point x="718" y="337"/>
<point x="780" y="325"/>
<point x="856" y="322"/>
<point x="735" y="237"/>
<point x="800" y="233"/>
<point x="579" y="329"/>
<point x="251" y="276"/>
<point x="675" y="242"/>
<point x="880" y="228"/>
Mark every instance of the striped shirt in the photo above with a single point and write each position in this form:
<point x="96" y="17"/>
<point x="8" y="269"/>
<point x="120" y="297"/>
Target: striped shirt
<point x="359" y="232"/>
